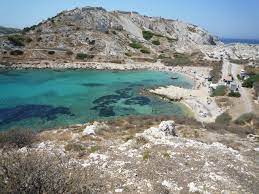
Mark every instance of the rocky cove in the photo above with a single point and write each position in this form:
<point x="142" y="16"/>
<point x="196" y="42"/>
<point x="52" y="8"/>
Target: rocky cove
<point x="56" y="98"/>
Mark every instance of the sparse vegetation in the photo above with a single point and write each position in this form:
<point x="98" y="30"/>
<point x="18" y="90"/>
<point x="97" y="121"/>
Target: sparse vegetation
<point x="166" y="155"/>
<point x="179" y="59"/>
<point x="223" y="119"/>
<point x="192" y="29"/>
<point x="171" y="39"/>
<point x="219" y="91"/>
<point x="216" y="73"/>
<point x="17" y="138"/>
<point x="69" y="53"/>
<point x="94" y="149"/>
<point x="234" y="94"/>
<point x="248" y="83"/>
<point x="135" y="45"/>
<point x="156" y="42"/>
<point x="16" y="52"/>
<point x="141" y="140"/>
<point x="51" y="52"/>
<point x="129" y="137"/>
<point x="83" y="56"/>
<point x="146" y="155"/>
<point x="147" y="34"/>
<point x="251" y="70"/>
<point x="239" y="61"/>
<point x="145" y="50"/>
<point x="17" y="39"/>
<point x="41" y="172"/>
<point x="128" y="54"/>
<point x="76" y="147"/>
<point x="245" y="118"/>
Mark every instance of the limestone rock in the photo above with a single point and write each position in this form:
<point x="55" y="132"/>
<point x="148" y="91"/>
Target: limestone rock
<point x="168" y="127"/>
<point x="89" y="130"/>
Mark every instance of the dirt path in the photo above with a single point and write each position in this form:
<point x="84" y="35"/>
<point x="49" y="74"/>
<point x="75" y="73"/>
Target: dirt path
<point x="245" y="104"/>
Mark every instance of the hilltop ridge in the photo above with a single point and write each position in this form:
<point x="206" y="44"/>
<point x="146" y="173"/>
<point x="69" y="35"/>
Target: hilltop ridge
<point x="102" y="35"/>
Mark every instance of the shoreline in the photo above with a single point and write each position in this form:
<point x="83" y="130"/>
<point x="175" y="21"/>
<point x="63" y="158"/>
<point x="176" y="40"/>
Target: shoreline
<point x="196" y="74"/>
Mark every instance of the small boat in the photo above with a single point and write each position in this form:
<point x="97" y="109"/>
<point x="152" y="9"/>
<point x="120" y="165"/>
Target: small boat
<point x="174" y="77"/>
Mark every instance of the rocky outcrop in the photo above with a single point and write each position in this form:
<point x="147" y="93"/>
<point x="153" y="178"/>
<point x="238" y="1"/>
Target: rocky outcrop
<point x="106" y="34"/>
<point x="155" y="161"/>
<point x="168" y="127"/>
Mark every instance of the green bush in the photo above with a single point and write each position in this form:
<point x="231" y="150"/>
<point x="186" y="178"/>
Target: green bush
<point x="219" y="91"/>
<point x="156" y="42"/>
<point x="147" y="34"/>
<point x="16" y="52"/>
<point x="248" y="83"/>
<point x="82" y="56"/>
<point x="145" y="50"/>
<point x="51" y="52"/>
<point x="234" y="94"/>
<point x="135" y="45"/>
<point x="17" y="39"/>
<point x="245" y="118"/>
<point x="223" y="119"/>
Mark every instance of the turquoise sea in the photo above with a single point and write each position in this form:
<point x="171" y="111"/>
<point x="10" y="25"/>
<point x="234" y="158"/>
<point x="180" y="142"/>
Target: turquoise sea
<point x="40" y="99"/>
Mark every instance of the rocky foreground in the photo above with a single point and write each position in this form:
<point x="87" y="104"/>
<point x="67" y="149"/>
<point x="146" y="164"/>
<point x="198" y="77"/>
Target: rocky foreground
<point x="165" y="158"/>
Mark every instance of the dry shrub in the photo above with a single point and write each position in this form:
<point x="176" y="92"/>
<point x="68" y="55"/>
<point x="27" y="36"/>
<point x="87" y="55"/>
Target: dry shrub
<point x="42" y="172"/>
<point x="60" y="135"/>
<point x="232" y="128"/>
<point x="17" y="138"/>
<point x="76" y="147"/>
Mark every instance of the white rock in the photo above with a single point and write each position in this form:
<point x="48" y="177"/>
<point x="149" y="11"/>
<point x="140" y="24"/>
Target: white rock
<point x="168" y="127"/>
<point x="89" y="130"/>
<point x="118" y="190"/>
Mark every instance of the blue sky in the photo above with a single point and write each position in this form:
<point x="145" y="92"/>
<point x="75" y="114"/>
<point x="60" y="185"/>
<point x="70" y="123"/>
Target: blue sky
<point x="224" y="18"/>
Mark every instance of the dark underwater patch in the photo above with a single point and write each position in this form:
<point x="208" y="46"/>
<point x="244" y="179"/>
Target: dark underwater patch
<point x="125" y="92"/>
<point x="139" y="100"/>
<point x="92" y="84"/>
<point x="136" y="85"/>
<point x="106" y="111"/>
<point x="22" y="112"/>
<point x="106" y="99"/>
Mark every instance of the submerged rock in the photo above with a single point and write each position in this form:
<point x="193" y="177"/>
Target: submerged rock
<point x="106" y="112"/>
<point x="140" y="100"/>
<point x="23" y="112"/>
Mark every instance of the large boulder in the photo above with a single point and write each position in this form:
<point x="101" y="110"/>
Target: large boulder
<point x="168" y="127"/>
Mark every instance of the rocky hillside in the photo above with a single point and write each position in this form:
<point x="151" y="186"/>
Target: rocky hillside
<point x="95" y="34"/>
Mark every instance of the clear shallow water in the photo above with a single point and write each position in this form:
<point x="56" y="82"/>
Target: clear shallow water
<point x="39" y="99"/>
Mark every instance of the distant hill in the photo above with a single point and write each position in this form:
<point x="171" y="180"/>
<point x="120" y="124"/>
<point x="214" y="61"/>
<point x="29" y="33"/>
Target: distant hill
<point x="4" y="30"/>
<point x="94" y="34"/>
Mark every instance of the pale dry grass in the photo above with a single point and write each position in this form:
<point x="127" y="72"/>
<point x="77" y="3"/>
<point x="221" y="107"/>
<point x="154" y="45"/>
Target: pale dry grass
<point x="59" y="136"/>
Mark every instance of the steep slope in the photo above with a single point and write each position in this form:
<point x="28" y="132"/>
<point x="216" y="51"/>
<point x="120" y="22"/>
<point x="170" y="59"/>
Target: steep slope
<point x="103" y="35"/>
